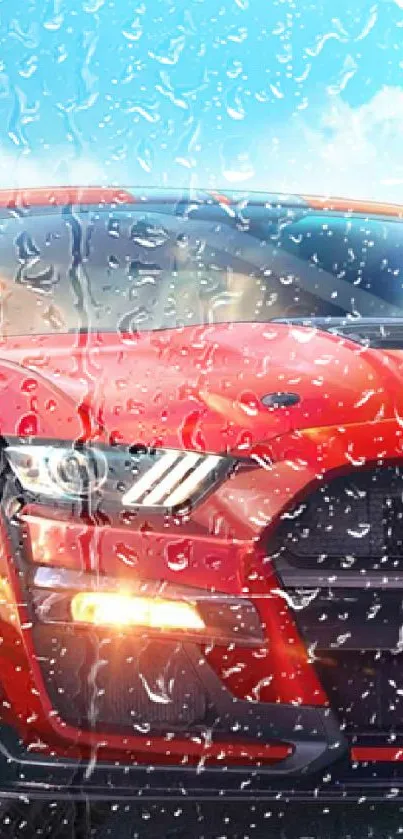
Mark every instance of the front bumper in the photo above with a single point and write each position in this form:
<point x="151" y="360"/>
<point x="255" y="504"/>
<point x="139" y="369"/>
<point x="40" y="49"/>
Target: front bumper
<point x="312" y="732"/>
<point x="319" y="764"/>
<point x="23" y="776"/>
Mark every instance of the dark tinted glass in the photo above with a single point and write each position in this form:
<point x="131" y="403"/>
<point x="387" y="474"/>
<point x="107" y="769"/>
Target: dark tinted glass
<point x="150" y="268"/>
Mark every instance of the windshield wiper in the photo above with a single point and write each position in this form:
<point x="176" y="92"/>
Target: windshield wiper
<point x="383" y="333"/>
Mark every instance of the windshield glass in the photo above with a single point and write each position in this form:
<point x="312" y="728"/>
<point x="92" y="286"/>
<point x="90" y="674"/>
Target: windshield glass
<point x="162" y="267"/>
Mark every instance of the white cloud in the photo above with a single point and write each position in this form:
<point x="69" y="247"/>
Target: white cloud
<point x="356" y="152"/>
<point x="51" y="169"/>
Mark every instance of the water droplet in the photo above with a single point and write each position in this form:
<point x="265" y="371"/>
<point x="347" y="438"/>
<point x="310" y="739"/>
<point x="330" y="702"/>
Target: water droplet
<point x="134" y="31"/>
<point x="27" y="426"/>
<point x="169" y="51"/>
<point x="276" y="91"/>
<point x="178" y="555"/>
<point x="126" y="554"/>
<point x="235" y="107"/>
<point x="362" y="530"/>
<point x="303" y="336"/>
<point x="29" y="385"/>
<point x="145" y="155"/>
<point x="347" y="72"/>
<point x="93" y="6"/>
<point x="114" y="228"/>
<point x="148" y="235"/>
<point x="29" y="67"/>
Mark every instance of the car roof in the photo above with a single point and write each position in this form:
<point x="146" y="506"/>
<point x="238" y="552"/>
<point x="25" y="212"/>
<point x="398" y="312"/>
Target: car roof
<point x="48" y="197"/>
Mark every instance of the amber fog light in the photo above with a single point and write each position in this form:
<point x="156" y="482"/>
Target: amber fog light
<point x="110" y="609"/>
<point x="150" y="606"/>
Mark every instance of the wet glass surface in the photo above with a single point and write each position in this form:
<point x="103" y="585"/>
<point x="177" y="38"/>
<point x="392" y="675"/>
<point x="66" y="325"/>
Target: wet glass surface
<point x="201" y="413"/>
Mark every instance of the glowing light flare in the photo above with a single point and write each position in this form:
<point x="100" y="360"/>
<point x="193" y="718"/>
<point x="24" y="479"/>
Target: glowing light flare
<point x="123" y="610"/>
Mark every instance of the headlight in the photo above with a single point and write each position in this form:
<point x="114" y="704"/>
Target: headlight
<point x="54" y="471"/>
<point x="129" y="477"/>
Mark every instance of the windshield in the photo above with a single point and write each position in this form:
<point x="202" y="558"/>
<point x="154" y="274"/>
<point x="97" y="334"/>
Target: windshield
<point x="163" y="267"/>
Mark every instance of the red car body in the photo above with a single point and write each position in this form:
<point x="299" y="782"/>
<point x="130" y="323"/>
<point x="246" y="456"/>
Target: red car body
<point x="291" y="407"/>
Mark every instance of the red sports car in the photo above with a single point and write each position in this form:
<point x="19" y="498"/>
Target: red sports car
<point x="201" y="555"/>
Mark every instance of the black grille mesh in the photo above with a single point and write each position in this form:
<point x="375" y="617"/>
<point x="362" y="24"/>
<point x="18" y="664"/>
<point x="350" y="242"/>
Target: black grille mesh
<point x="118" y="683"/>
<point x="354" y="521"/>
<point x="365" y="688"/>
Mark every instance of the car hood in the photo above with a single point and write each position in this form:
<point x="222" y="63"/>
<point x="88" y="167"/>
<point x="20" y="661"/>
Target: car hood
<point x="201" y="387"/>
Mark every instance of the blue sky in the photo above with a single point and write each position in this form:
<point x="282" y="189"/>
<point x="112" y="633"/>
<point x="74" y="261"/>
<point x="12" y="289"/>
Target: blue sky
<point x="290" y="96"/>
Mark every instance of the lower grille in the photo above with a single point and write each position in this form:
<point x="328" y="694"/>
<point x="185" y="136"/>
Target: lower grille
<point x="118" y="684"/>
<point x="346" y="539"/>
<point x="365" y="689"/>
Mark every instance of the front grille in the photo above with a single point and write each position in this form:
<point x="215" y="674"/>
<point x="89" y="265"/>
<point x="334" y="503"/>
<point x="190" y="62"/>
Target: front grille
<point x="349" y="533"/>
<point x="353" y="522"/>
<point x="118" y="684"/>
<point x="365" y="688"/>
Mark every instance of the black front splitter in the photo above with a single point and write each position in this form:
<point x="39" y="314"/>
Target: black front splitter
<point x="113" y="794"/>
<point x="58" y="780"/>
